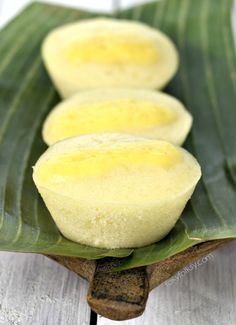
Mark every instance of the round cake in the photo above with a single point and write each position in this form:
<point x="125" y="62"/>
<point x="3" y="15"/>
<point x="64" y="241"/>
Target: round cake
<point x="142" y="112"/>
<point x="103" y="52"/>
<point x="115" y="190"/>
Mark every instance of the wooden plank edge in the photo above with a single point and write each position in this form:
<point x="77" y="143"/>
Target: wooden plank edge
<point x="123" y="295"/>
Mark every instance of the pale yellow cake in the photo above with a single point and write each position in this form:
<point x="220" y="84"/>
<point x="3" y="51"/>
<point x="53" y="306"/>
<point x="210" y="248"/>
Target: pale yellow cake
<point x="143" y="112"/>
<point x="105" y="52"/>
<point x="115" y="190"/>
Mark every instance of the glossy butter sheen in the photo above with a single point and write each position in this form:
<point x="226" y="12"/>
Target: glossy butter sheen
<point x="110" y="48"/>
<point x="98" y="162"/>
<point x="141" y="112"/>
<point x="127" y="115"/>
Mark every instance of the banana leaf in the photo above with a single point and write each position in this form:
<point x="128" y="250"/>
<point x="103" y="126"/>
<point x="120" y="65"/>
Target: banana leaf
<point x="206" y="83"/>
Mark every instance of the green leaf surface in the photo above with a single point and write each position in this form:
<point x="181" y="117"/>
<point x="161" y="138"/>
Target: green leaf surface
<point x="206" y="83"/>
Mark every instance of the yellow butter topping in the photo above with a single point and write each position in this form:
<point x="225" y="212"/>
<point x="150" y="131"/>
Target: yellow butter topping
<point x="111" y="48"/>
<point x="99" y="162"/>
<point x="123" y="115"/>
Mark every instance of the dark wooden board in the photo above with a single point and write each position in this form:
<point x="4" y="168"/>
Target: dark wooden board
<point x="123" y="295"/>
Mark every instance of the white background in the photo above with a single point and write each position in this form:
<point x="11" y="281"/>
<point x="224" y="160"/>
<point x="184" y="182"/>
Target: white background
<point x="34" y="290"/>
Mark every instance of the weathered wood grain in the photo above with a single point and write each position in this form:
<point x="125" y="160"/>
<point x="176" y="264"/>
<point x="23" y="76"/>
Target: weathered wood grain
<point x="36" y="290"/>
<point x="203" y="294"/>
<point x="123" y="295"/>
